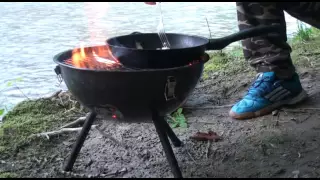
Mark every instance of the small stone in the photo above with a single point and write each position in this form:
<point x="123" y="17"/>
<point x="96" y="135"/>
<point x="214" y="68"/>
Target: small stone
<point x="293" y="119"/>
<point x="280" y="171"/>
<point x="275" y="112"/>
<point x="296" y="173"/>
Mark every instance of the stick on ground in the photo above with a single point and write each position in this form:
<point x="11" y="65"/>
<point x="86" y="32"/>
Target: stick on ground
<point x="60" y="131"/>
<point x="74" y="123"/>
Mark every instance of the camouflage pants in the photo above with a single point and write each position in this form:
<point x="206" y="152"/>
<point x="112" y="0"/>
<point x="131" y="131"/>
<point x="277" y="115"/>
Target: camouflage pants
<point x="261" y="52"/>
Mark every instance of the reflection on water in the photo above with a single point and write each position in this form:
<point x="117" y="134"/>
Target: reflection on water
<point x="33" y="32"/>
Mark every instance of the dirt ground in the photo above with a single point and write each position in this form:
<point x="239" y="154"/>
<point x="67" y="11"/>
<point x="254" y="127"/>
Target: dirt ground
<point x="285" y="144"/>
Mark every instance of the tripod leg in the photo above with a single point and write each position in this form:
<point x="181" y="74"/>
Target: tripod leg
<point x="80" y="140"/>
<point x="166" y="146"/>
<point x="173" y="137"/>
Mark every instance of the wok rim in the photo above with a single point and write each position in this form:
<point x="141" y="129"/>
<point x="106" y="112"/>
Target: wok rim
<point x="180" y="34"/>
<point x="57" y="60"/>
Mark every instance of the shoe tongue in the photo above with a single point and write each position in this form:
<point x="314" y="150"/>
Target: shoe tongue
<point x="267" y="75"/>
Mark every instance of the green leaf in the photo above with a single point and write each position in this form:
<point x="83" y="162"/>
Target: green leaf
<point x="183" y="125"/>
<point x="9" y="83"/>
<point x="179" y="111"/>
<point x="1" y="111"/>
<point x="174" y="125"/>
<point x="19" y="79"/>
<point x="177" y="119"/>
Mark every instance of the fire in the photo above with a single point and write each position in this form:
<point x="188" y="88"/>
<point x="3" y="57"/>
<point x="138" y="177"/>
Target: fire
<point x="98" y="57"/>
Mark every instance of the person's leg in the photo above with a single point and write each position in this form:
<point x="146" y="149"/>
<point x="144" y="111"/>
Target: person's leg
<point x="261" y="52"/>
<point x="277" y="83"/>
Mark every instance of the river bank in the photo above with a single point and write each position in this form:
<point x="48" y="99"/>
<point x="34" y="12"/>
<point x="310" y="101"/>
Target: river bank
<point x="284" y="144"/>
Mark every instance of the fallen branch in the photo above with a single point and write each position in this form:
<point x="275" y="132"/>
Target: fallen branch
<point x="69" y="173"/>
<point x="71" y="109"/>
<point x="61" y="131"/>
<point x="74" y="123"/>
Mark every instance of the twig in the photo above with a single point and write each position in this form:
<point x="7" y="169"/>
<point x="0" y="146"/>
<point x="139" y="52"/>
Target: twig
<point x="312" y="65"/>
<point x="123" y="170"/>
<point x="61" y="100"/>
<point x="71" y="109"/>
<point x="72" y="101"/>
<point x="55" y="94"/>
<point x="208" y="148"/>
<point x="306" y="118"/>
<point x="61" y="131"/>
<point x="110" y="137"/>
<point x="299" y="110"/>
<point x="82" y="175"/>
<point x="72" y="174"/>
<point x="208" y="27"/>
<point x="190" y="156"/>
<point x="208" y="107"/>
<point x="74" y="123"/>
<point x="22" y="92"/>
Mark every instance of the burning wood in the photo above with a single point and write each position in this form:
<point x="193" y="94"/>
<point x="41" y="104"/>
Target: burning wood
<point x="98" y="58"/>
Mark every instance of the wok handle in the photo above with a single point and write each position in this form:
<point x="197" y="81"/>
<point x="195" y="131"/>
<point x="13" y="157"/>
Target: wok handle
<point x="136" y="32"/>
<point x="220" y="43"/>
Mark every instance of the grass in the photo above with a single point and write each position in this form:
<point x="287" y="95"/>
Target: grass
<point x="305" y="33"/>
<point x="226" y="62"/>
<point x="27" y="118"/>
<point x="8" y="175"/>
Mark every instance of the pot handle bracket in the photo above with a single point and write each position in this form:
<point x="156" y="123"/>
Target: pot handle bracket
<point x="57" y="70"/>
<point x="169" y="92"/>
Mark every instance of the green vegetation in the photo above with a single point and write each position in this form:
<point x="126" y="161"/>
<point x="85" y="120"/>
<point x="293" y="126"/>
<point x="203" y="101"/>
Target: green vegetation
<point x="30" y="117"/>
<point x="3" y="106"/>
<point x="8" y="175"/>
<point x="177" y="119"/>
<point x="305" y="34"/>
<point x="226" y="62"/>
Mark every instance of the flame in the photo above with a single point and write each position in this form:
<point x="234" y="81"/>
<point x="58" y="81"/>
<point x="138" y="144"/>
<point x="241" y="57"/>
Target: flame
<point x="98" y="57"/>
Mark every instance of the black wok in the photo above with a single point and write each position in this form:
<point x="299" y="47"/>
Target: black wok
<point x="184" y="48"/>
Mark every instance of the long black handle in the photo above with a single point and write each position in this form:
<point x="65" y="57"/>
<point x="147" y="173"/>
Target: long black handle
<point x="263" y="30"/>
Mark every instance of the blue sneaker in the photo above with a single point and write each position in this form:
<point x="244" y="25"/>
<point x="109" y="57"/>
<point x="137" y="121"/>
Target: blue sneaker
<point x="266" y="94"/>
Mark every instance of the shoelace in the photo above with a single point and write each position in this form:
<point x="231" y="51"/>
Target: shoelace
<point x="259" y="86"/>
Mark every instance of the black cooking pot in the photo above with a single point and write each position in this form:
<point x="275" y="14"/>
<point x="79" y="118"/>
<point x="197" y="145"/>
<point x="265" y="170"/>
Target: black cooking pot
<point x="132" y="93"/>
<point x="139" y="50"/>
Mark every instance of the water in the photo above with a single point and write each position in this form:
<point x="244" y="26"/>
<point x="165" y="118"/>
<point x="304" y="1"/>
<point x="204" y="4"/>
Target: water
<point x="33" y="32"/>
